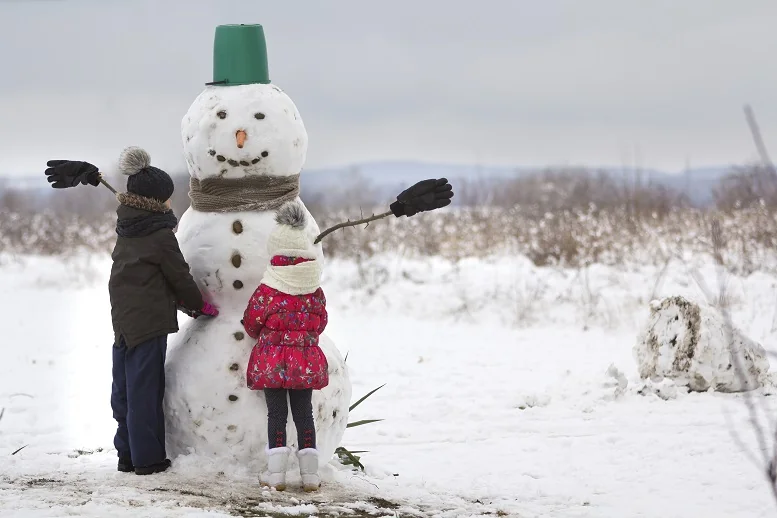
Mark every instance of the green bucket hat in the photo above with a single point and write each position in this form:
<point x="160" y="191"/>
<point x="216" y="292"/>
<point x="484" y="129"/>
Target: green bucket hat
<point x="240" y="56"/>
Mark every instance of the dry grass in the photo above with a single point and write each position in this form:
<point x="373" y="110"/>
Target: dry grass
<point x="564" y="218"/>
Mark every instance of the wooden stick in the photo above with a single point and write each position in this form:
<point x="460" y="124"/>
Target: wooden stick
<point x="107" y="185"/>
<point x="350" y="223"/>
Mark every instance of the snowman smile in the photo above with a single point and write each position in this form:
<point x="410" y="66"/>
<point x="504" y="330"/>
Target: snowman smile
<point x="237" y="163"/>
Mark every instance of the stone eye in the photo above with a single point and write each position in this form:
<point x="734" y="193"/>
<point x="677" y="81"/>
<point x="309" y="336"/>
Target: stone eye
<point x="222" y="114"/>
<point x="259" y="116"/>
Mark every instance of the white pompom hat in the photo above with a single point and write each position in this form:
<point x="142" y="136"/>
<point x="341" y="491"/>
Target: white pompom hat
<point x="289" y="237"/>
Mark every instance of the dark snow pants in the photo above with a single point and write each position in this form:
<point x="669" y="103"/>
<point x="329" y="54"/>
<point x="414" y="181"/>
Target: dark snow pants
<point x="301" y="412"/>
<point x="136" y="400"/>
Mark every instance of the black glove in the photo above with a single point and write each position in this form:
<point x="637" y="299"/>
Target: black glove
<point x="62" y="174"/>
<point x="424" y="196"/>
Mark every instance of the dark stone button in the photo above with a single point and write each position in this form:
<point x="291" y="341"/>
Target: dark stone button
<point x="236" y="260"/>
<point x="232" y="397"/>
<point x="237" y="227"/>
<point x="237" y="284"/>
<point x="239" y="335"/>
<point x="234" y="367"/>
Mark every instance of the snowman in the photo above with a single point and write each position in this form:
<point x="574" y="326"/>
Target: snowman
<point x="245" y="145"/>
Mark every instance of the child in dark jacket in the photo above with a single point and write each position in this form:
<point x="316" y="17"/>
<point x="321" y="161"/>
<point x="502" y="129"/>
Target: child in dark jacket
<point x="287" y="314"/>
<point x="149" y="280"/>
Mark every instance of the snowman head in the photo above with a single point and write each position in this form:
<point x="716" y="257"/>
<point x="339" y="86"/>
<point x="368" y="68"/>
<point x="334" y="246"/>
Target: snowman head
<point x="242" y="125"/>
<point x="243" y="130"/>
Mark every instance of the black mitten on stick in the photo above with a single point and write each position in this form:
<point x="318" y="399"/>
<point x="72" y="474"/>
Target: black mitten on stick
<point x="62" y="174"/>
<point x="424" y="196"/>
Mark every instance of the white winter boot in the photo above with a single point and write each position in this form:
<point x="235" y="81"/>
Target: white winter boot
<point x="277" y="464"/>
<point x="308" y="468"/>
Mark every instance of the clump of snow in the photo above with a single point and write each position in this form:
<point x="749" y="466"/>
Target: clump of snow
<point x="617" y="381"/>
<point x="666" y="389"/>
<point x="532" y="400"/>
<point x="693" y="345"/>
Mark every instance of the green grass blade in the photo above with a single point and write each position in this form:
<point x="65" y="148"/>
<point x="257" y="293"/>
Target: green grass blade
<point x="365" y="397"/>
<point x="363" y="422"/>
<point x="353" y="460"/>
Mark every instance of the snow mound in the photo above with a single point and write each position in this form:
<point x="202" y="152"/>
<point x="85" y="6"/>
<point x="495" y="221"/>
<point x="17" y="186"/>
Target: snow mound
<point x="691" y="344"/>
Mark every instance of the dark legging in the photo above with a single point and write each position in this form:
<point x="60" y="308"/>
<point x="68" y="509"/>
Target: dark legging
<point x="301" y="412"/>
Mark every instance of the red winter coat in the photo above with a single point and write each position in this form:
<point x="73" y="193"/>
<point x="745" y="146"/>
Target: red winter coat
<point x="286" y="354"/>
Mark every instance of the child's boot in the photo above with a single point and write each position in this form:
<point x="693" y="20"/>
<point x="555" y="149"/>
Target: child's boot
<point x="277" y="463"/>
<point x="308" y="468"/>
<point x="125" y="465"/>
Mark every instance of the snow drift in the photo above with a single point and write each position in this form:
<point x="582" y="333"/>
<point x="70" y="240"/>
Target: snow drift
<point x="693" y="345"/>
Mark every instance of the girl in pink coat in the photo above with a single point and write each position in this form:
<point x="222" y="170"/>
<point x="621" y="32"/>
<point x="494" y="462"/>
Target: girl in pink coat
<point x="286" y="315"/>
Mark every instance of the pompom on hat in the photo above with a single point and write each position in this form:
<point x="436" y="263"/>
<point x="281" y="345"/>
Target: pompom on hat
<point x="289" y="238"/>
<point x="144" y="179"/>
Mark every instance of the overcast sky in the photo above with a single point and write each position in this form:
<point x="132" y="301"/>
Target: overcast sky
<point x="532" y="82"/>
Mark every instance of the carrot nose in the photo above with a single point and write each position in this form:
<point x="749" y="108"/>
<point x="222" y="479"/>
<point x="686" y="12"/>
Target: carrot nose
<point x="240" y="137"/>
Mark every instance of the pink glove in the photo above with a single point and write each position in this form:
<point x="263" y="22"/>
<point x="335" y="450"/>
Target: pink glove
<point x="209" y="309"/>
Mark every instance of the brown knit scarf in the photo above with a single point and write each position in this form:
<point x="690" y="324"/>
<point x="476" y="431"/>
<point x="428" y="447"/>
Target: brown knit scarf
<point x="242" y="194"/>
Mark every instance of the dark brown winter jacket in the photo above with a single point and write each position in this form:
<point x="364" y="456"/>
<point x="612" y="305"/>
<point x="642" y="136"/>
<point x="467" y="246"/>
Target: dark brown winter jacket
<point x="149" y="274"/>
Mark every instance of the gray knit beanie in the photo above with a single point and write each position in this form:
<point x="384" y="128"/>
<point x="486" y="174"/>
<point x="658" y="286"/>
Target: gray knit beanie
<point x="144" y="179"/>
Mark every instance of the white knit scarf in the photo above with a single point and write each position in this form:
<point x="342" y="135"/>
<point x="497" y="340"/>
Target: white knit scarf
<point x="297" y="279"/>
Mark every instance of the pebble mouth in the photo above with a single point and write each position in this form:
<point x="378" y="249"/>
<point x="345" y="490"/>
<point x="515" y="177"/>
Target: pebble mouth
<point x="238" y="163"/>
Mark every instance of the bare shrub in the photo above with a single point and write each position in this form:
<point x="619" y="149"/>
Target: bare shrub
<point x="746" y="187"/>
<point x="555" y="218"/>
<point x="580" y="189"/>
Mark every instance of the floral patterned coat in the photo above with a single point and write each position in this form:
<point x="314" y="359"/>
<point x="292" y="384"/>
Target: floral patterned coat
<point x="287" y="329"/>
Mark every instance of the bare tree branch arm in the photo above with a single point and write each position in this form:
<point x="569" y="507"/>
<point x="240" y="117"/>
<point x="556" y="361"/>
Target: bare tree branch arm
<point x="350" y="223"/>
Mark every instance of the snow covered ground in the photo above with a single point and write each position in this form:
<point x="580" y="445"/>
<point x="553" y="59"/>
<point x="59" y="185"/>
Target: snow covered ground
<point x="510" y="391"/>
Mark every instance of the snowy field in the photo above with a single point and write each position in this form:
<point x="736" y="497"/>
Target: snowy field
<point x="510" y="391"/>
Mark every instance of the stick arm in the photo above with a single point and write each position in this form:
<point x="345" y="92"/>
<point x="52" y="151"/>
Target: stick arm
<point x="350" y="223"/>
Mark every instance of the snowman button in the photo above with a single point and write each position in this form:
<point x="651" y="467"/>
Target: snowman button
<point x="237" y="227"/>
<point x="239" y="335"/>
<point x="237" y="285"/>
<point x="236" y="260"/>
<point x="232" y="397"/>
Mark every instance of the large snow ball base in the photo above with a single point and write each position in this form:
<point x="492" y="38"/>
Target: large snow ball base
<point x="693" y="345"/>
<point x="210" y="413"/>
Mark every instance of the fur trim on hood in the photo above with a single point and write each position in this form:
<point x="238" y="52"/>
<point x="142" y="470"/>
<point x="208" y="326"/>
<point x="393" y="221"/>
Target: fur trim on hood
<point x="140" y="202"/>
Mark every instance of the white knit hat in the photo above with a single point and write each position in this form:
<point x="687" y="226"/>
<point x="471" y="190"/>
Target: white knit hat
<point x="289" y="237"/>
